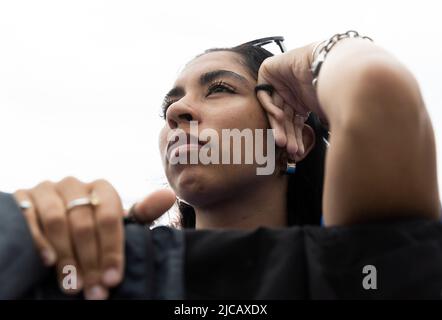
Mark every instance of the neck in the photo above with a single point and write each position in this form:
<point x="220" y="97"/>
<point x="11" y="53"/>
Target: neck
<point x="264" y="204"/>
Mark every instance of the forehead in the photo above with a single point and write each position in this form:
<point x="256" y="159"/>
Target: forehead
<point x="219" y="60"/>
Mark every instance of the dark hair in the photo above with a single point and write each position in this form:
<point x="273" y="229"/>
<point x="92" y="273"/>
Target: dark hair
<point x="304" y="196"/>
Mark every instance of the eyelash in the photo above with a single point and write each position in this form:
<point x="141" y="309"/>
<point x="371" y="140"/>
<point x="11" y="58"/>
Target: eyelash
<point x="211" y="89"/>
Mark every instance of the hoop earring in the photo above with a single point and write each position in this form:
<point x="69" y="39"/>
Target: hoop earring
<point x="291" y="167"/>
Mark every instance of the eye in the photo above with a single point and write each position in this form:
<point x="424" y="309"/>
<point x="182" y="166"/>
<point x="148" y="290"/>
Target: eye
<point x="220" y="87"/>
<point x="216" y="87"/>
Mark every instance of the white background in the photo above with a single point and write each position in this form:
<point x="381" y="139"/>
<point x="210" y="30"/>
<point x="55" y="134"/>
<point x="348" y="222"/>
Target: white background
<point x="81" y="82"/>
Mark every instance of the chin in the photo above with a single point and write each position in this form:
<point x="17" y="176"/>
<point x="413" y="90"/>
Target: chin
<point x="195" y="184"/>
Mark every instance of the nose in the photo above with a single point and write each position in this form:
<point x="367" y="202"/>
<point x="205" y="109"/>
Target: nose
<point x="180" y="113"/>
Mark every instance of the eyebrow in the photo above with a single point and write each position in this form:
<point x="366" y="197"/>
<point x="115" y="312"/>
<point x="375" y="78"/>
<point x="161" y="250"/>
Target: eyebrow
<point x="207" y="78"/>
<point x="212" y="75"/>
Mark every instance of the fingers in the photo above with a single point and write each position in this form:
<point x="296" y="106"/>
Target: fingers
<point x="85" y="239"/>
<point x="287" y="125"/>
<point x="154" y="205"/>
<point x="51" y="213"/>
<point x="275" y="115"/>
<point x="298" y="127"/>
<point x="294" y="125"/>
<point x="292" y="143"/>
<point x="108" y="216"/>
<point x="47" y="252"/>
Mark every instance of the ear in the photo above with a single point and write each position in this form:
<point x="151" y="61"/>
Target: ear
<point x="309" y="139"/>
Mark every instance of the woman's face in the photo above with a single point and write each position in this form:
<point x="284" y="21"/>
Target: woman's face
<point x="217" y="92"/>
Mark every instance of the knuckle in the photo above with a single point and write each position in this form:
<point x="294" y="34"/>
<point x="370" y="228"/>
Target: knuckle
<point x="113" y="259"/>
<point x="66" y="263"/>
<point x="45" y="185"/>
<point x="108" y="221"/>
<point x="35" y="232"/>
<point x="39" y="240"/>
<point x="20" y="192"/>
<point x="29" y="219"/>
<point x="69" y="180"/>
<point x="288" y="111"/>
<point x="278" y="115"/>
<point x="81" y="230"/>
<point x="101" y="181"/>
<point x="92" y="276"/>
<point x="266" y="63"/>
<point x="52" y="209"/>
<point x="54" y="223"/>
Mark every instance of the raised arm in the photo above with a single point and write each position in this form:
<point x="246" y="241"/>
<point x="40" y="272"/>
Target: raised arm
<point x="381" y="162"/>
<point x="382" y="158"/>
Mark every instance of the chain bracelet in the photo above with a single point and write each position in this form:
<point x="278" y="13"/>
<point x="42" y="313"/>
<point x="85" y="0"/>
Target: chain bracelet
<point x="319" y="58"/>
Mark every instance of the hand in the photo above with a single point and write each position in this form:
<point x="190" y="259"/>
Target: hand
<point x="153" y="206"/>
<point x="293" y="98"/>
<point x="89" y="238"/>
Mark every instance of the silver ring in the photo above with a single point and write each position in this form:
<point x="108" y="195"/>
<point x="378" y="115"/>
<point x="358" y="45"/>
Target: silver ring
<point x="84" y="201"/>
<point x="25" y="204"/>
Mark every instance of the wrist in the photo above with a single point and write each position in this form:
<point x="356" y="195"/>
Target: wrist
<point x="321" y="51"/>
<point x="315" y="47"/>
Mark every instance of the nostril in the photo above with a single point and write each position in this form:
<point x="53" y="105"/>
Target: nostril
<point x="186" y="116"/>
<point x="173" y="124"/>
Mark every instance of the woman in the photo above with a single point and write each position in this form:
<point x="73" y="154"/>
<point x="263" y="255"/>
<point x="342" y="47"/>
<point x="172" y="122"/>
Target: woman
<point x="381" y="163"/>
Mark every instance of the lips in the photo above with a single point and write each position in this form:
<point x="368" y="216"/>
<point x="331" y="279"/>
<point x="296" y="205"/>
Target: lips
<point x="175" y="146"/>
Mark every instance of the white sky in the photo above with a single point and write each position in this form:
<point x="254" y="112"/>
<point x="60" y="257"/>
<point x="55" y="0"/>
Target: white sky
<point x="81" y="82"/>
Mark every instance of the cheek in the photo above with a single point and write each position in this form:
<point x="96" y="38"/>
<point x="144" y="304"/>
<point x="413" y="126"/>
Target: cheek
<point x="260" y="119"/>
<point x="241" y="113"/>
<point x="252" y="115"/>
<point x="162" y="141"/>
<point x="259" y="116"/>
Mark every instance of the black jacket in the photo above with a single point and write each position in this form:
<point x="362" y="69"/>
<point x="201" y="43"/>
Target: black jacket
<point x="290" y="263"/>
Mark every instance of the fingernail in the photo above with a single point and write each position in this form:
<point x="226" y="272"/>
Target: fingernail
<point x="95" y="293"/>
<point x="301" y="151"/>
<point x="111" y="276"/>
<point x="48" y="257"/>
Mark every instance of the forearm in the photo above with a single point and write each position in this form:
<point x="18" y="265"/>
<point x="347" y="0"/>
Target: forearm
<point x="382" y="159"/>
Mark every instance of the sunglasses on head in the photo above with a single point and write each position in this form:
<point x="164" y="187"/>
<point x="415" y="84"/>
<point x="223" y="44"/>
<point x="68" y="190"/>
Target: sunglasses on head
<point x="278" y="40"/>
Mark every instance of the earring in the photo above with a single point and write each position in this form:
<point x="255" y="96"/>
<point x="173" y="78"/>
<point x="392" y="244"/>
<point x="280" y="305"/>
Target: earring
<point x="291" y="167"/>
